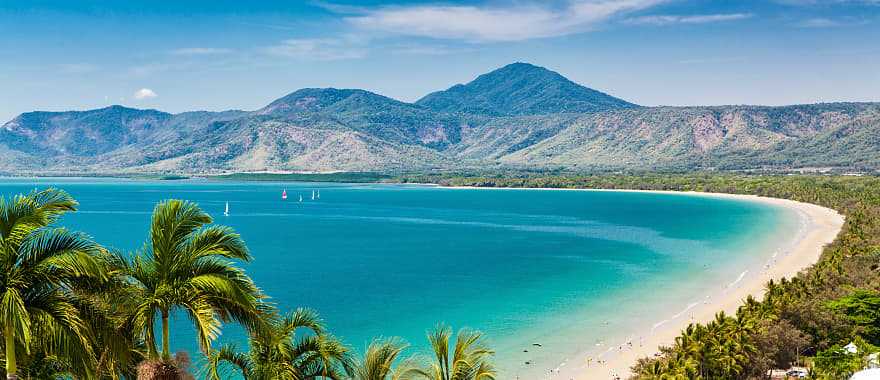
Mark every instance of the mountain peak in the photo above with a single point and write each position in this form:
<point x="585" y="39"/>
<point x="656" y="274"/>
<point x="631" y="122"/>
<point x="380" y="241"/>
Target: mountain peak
<point x="520" y="67"/>
<point x="521" y="89"/>
<point x="316" y="99"/>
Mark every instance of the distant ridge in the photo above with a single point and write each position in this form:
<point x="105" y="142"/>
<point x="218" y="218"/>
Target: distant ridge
<point x="521" y="89"/>
<point x="520" y="116"/>
<point x="320" y="99"/>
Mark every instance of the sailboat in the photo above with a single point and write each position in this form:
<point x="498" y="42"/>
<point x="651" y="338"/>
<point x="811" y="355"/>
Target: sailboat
<point x="300" y="198"/>
<point x="313" y="194"/>
<point x="226" y="213"/>
<point x="319" y="194"/>
<point x="284" y="194"/>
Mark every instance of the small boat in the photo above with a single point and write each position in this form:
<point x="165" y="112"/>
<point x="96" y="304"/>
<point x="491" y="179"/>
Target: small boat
<point x="226" y="213"/>
<point x="313" y="194"/>
<point x="300" y="198"/>
<point x="319" y="194"/>
<point x="284" y="194"/>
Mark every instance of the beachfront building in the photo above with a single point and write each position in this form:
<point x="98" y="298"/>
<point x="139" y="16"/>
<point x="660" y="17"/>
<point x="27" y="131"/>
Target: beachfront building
<point x="872" y="371"/>
<point x="868" y="374"/>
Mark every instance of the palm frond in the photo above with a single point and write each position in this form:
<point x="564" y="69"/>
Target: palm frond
<point x="216" y="241"/>
<point x="229" y="354"/>
<point x="16" y="315"/>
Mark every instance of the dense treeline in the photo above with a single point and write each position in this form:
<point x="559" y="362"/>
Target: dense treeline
<point x="803" y="320"/>
<point x="73" y="309"/>
<point x="349" y="177"/>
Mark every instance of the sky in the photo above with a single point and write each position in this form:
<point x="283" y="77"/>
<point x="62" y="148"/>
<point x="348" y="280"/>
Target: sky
<point x="215" y="55"/>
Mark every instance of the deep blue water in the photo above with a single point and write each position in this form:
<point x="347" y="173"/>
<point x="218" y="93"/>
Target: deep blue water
<point x="562" y="267"/>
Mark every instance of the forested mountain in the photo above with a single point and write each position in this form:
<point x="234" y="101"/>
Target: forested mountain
<point x="519" y="116"/>
<point x="521" y="89"/>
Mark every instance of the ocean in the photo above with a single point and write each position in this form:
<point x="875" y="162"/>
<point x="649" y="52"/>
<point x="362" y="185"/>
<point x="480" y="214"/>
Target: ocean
<point x="568" y="270"/>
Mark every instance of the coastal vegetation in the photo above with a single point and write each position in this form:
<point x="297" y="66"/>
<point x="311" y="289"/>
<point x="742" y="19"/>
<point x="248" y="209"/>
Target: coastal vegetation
<point x="72" y="308"/>
<point x="805" y="320"/>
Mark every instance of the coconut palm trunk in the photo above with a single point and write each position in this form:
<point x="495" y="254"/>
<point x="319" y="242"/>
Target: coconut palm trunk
<point x="166" y="351"/>
<point x="11" y="370"/>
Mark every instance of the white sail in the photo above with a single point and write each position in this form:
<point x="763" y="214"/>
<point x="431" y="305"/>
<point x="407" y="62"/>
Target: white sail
<point x="313" y="194"/>
<point x="227" y="209"/>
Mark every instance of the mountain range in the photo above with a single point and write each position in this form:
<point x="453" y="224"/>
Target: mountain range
<point x="520" y="116"/>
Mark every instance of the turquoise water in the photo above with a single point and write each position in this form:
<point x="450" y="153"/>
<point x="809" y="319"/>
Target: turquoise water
<point x="563" y="268"/>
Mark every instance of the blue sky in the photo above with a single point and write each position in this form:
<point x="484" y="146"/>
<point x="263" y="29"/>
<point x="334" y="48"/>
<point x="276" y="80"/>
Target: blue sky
<point x="214" y="55"/>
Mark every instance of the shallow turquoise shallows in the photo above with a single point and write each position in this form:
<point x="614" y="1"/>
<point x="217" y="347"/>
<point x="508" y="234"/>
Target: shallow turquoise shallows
<point x="566" y="269"/>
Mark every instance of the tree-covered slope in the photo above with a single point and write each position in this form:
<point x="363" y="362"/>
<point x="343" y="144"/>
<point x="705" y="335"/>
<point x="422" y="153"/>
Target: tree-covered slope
<point x="731" y="137"/>
<point x="368" y="113"/>
<point x="521" y="89"/>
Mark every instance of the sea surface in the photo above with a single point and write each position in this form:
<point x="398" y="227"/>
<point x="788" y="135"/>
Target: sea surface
<point x="568" y="270"/>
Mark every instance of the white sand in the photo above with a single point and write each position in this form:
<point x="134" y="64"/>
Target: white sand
<point x="821" y="226"/>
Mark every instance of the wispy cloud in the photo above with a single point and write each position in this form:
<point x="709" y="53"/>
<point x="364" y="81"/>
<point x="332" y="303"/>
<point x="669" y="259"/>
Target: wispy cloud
<point x="425" y="49"/>
<point x="818" y="22"/>
<point x="144" y="93"/>
<point x="824" y="22"/>
<point x="77" y="68"/>
<point x="827" y="2"/>
<point x="687" y="19"/>
<point x="517" y="22"/>
<point x="193" y="51"/>
<point x="319" y="49"/>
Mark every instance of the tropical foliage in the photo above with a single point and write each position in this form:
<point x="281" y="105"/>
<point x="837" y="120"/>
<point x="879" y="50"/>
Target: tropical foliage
<point x="277" y="353"/>
<point x="382" y="361"/>
<point x="467" y="359"/>
<point x="45" y="312"/>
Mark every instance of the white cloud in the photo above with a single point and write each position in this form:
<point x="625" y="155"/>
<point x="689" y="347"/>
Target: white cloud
<point x="517" y="22"/>
<point x="689" y="19"/>
<point x="319" y="49"/>
<point x="144" y="93"/>
<point x="189" y="51"/>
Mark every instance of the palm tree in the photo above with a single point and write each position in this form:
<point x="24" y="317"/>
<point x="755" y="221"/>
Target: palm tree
<point x="471" y="357"/>
<point x="39" y="267"/>
<point x="378" y="362"/>
<point x="119" y="347"/>
<point x="187" y="265"/>
<point x="277" y="353"/>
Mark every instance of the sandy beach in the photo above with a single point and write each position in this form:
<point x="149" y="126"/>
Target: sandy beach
<point x="820" y="227"/>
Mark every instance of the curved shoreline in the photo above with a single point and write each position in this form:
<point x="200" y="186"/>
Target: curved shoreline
<point x="821" y="226"/>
